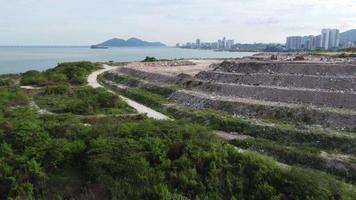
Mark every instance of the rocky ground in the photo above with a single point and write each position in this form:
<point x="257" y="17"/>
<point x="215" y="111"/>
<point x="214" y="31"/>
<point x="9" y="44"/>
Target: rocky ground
<point x="190" y="67"/>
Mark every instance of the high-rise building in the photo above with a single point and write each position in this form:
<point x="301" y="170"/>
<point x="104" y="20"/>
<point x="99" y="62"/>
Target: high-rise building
<point x="220" y="46"/>
<point x="304" y="43"/>
<point x="198" y="43"/>
<point x="317" y="42"/>
<point x="223" y="43"/>
<point x="229" y="44"/>
<point x="325" y="34"/>
<point x="329" y="38"/>
<point x="334" y="38"/>
<point x="294" y="42"/>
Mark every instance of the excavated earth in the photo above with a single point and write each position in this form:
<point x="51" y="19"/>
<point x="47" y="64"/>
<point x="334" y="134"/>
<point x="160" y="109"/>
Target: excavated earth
<point x="312" y="93"/>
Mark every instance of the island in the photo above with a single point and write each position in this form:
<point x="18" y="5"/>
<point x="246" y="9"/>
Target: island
<point x="132" y="42"/>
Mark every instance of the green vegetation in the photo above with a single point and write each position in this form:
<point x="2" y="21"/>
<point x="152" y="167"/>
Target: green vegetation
<point x="56" y="157"/>
<point x="163" y="90"/>
<point x="348" y="50"/>
<point x="12" y="97"/>
<point x="344" y="55"/>
<point x="74" y="73"/>
<point x="298" y="155"/>
<point x="6" y="82"/>
<point x="150" y="59"/>
<point x="81" y="101"/>
<point x="283" y="134"/>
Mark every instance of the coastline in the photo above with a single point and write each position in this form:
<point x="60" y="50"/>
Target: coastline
<point x="19" y="59"/>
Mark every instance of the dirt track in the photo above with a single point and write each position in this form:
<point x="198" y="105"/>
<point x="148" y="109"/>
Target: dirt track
<point x="92" y="81"/>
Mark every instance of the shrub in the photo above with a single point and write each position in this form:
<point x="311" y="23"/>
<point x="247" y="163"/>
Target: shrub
<point x="74" y="73"/>
<point x="58" y="89"/>
<point x="150" y="59"/>
<point x="6" y="82"/>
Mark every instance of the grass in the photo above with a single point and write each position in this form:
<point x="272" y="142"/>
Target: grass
<point x="297" y="155"/>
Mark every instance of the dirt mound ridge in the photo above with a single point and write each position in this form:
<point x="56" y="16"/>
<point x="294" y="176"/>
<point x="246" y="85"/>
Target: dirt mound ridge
<point x="287" y="68"/>
<point x="332" y="83"/>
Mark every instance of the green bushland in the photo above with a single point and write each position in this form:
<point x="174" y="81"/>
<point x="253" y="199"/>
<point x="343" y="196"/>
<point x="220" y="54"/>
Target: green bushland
<point x="85" y="100"/>
<point x="73" y="72"/>
<point x="185" y="160"/>
<point x="55" y="157"/>
<point x="296" y="155"/>
<point x="12" y="97"/>
<point x="6" y="82"/>
<point x="115" y="119"/>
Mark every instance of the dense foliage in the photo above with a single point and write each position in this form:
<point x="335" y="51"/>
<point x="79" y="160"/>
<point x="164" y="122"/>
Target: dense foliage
<point x="75" y="73"/>
<point x="299" y="155"/>
<point x="150" y="59"/>
<point x="55" y="156"/>
<point x="6" y="82"/>
<point x="82" y="100"/>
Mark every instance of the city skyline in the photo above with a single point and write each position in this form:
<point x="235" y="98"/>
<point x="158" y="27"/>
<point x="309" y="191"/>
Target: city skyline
<point x="327" y="39"/>
<point x="49" y="22"/>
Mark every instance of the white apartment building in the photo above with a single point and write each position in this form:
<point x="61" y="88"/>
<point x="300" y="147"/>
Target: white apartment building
<point x="329" y="38"/>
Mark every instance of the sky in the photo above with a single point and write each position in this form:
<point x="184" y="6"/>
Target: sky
<point x="85" y="22"/>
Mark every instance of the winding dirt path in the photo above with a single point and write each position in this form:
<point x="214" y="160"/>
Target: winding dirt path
<point x="92" y="81"/>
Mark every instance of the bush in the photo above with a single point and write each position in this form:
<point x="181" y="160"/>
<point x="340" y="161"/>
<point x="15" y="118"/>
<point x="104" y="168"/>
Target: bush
<point x="74" y="73"/>
<point x="82" y="101"/>
<point x="6" y="82"/>
<point x="58" y="89"/>
<point x="297" y="155"/>
<point x="150" y="59"/>
<point x="12" y="96"/>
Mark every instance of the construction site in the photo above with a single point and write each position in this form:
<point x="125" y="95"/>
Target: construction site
<point x="299" y="112"/>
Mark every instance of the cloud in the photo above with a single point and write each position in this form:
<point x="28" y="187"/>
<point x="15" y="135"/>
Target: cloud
<point x="169" y="21"/>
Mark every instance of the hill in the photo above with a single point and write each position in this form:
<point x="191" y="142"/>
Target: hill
<point x="132" y="42"/>
<point x="348" y="36"/>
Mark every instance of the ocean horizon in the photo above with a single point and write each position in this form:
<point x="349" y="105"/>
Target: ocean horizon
<point x="21" y="58"/>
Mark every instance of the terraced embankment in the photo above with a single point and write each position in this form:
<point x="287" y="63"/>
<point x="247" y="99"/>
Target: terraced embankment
<point x="319" y="69"/>
<point x="345" y="83"/>
<point x="324" y="149"/>
<point x="311" y="106"/>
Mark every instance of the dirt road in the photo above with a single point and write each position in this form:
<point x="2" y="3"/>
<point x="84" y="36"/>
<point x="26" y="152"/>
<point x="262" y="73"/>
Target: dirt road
<point x="92" y="81"/>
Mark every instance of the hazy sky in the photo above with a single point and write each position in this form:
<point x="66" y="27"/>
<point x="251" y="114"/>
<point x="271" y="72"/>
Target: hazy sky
<point x="83" y="22"/>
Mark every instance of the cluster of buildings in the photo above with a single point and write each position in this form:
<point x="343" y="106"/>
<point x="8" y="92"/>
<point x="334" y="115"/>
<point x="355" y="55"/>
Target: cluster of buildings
<point x="222" y="44"/>
<point x="328" y="39"/>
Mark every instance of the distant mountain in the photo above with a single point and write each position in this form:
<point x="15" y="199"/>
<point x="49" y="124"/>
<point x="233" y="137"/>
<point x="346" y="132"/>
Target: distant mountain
<point x="132" y="42"/>
<point x="348" y="36"/>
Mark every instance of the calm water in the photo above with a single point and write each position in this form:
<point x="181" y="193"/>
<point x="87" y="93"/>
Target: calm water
<point x="21" y="59"/>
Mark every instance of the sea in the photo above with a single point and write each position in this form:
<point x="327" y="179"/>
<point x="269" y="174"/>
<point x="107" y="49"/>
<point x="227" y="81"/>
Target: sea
<point x="22" y="59"/>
